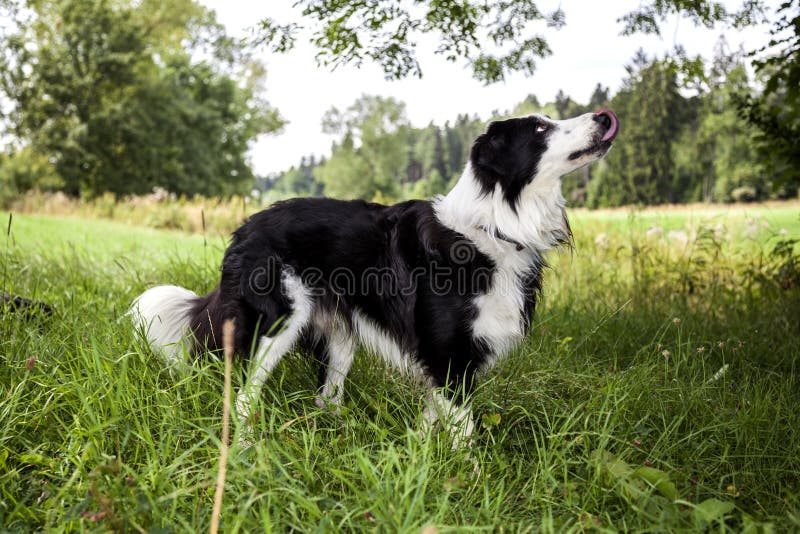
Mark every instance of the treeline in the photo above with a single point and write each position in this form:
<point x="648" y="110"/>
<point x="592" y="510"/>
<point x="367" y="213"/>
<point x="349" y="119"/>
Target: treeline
<point x="380" y="156"/>
<point x="683" y="139"/>
<point x="122" y="96"/>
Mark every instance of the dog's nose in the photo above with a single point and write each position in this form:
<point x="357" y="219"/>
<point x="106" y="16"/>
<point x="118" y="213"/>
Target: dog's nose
<point x="609" y="122"/>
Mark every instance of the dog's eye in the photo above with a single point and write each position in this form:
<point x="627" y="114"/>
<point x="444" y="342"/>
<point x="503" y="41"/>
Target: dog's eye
<point x="541" y="128"/>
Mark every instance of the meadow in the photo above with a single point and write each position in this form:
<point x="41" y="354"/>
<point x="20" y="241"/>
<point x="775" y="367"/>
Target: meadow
<point x="658" y="391"/>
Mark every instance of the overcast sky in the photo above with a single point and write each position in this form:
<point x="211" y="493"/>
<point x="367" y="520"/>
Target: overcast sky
<point x="587" y="50"/>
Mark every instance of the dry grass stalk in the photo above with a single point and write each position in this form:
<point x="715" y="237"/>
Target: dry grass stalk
<point x="227" y="341"/>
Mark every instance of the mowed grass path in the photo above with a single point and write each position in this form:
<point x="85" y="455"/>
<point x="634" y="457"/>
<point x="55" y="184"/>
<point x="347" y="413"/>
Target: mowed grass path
<point x="658" y="390"/>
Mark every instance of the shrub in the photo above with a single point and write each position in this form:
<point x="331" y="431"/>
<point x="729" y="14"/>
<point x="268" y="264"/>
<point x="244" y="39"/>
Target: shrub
<point x="744" y="194"/>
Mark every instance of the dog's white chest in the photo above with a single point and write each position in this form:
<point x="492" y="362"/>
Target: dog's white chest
<point x="500" y="319"/>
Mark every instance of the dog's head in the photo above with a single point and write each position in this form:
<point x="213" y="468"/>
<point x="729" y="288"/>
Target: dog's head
<point x="516" y="153"/>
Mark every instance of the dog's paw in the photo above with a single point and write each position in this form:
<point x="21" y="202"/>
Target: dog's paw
<point x="328" y="404"/>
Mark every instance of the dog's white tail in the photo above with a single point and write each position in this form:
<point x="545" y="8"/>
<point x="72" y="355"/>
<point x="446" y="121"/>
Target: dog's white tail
<point x="164" y="315"/>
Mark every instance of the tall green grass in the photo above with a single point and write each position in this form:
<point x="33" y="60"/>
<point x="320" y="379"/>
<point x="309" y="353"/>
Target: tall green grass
<point x="658" y="391"/>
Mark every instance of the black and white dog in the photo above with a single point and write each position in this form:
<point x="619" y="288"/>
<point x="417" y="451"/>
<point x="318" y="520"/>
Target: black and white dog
<point x="440" y="288"/>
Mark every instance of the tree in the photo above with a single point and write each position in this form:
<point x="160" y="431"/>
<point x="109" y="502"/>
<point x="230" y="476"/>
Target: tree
<point x="458" y="138"/>
<point x="347" y="174"/>
<point x="376" y="137"/>
<point x="648" y="16"/>
<point x="429" y="187"/>
<point x="715" y="158"/>
<point x="773" y="113"/>
<point x="24" y="170"/>
<point x="566" y="107"/>
<point x="428" y="150"/>
<point x="495" y="38"/>
<point x="109" y="92"/>
<point x="386" y="32"/>
<point x="737" y="172"/>
<point x="300" y="180"/>
<point x="639" y="169"/>
<point x="776" y="112"/>
<point x="600" y="98"/>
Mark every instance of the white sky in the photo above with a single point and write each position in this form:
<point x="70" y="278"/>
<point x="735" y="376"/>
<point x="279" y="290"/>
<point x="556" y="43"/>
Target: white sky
<point x="587" y="50"/>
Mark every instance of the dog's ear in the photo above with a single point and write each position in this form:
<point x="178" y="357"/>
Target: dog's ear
<point x="488" y="152"/>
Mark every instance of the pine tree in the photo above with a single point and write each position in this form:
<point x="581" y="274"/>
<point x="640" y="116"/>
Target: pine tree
<point x="639" y="169"/>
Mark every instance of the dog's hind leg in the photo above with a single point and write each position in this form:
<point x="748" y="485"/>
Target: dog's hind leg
<point x="316" y="344"/>
<point x="341" y="352"/>
<point x="272" y="348"/>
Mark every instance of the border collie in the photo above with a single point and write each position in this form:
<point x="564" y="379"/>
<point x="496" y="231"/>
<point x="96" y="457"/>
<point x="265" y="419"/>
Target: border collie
<point x="440" y="288"/>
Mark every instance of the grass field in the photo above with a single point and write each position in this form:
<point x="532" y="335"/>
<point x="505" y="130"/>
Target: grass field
<point x="659" y="391"/>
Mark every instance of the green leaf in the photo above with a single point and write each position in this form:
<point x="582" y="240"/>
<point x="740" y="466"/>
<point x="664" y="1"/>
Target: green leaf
<point x="33" y="459"/>
<point x="659" y="479"/>
<point x="617" y="473"/>
<point x="630" y="480"/>
<point x="712" y="510"/>
<point x="751" y="526"/>
<point x="613" y="466"/>
<point x="490" y="420"/>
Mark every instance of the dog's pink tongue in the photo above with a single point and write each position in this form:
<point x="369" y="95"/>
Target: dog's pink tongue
<point x="613" y="130"/>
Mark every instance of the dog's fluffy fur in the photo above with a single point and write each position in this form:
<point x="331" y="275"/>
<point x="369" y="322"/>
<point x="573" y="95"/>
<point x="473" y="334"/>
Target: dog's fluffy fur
<point x="439" y="288"/>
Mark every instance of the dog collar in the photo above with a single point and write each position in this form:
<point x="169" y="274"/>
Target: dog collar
<point x="502" y="237"/>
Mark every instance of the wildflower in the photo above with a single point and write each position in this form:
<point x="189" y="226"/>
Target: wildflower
<point x="30" y="364"/>
<point x="94" y="517"/>
<point x="654" y="232"/>
<point x="665" y="353"/>
<point x="159" y="194"/>
<point x="678" y="236"/>
<point x="753" y="225"/>
<point x="601" y="240"/>
<point x="783" y="231"/>
<point x="637" y="443"/>
<point x="721" y="345"/>
<point x="676" y="321"/>
<point x="701" y="350"/>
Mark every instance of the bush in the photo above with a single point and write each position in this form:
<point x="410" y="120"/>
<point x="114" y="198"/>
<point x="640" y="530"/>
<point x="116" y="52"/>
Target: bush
<point x="744" y="194"/>
<point x="25" y="170"/>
